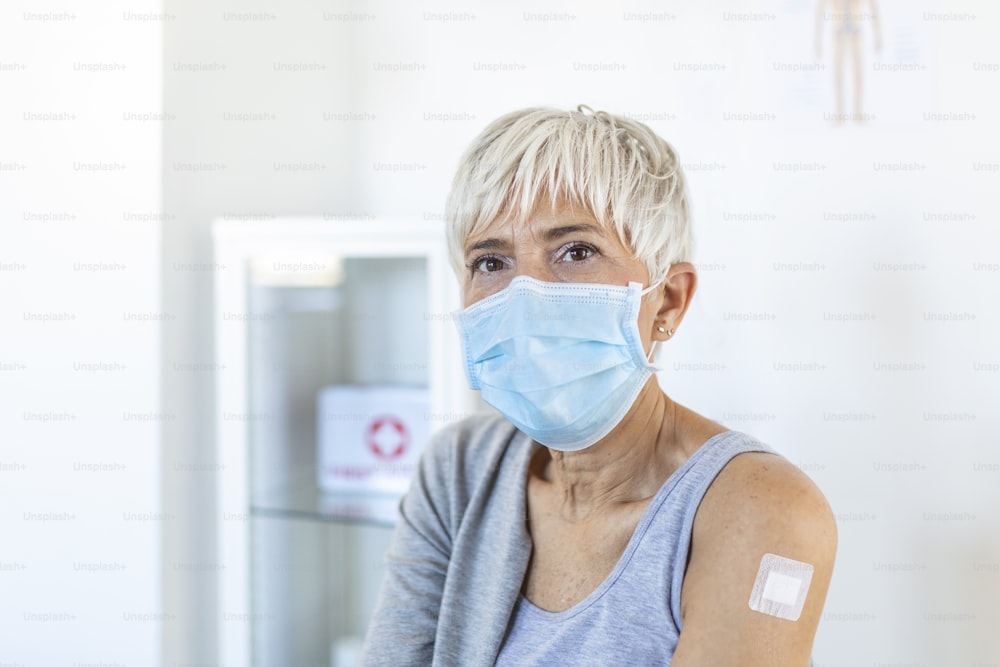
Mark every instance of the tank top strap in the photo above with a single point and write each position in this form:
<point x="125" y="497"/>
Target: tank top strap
<point x="670" y="522"/>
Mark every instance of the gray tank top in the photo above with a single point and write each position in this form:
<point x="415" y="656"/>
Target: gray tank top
<point x="634" y="616"/>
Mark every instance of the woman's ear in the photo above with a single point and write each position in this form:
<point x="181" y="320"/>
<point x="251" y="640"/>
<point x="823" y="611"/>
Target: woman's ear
<point x="677" y="290"/>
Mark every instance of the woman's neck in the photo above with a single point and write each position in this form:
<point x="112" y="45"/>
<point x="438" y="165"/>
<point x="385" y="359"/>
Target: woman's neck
<point x="627" y="465"/>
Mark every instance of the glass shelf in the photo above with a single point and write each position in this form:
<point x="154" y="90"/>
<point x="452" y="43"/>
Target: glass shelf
<point x="304" y="306"/>
<point x="307" y="502"/>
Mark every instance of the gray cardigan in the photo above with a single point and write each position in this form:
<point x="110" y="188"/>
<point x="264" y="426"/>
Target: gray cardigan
<point x="460" y="517"/>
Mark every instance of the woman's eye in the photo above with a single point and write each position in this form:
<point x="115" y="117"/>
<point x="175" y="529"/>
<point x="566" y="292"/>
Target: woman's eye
<point x="488" y="264"/>
<point x="578" y="253"/>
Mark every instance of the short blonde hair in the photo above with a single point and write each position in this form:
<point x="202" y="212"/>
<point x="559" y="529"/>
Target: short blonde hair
<point x="617" y="169"/>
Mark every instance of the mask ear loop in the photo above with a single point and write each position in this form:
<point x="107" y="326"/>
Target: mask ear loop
<point x="655" y="347"/>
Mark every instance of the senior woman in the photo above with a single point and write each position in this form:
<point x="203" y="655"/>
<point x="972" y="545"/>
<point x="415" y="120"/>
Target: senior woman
<point x="594" y="520"/>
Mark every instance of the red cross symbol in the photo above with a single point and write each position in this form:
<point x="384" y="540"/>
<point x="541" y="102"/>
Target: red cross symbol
<point x="387" y="436"/>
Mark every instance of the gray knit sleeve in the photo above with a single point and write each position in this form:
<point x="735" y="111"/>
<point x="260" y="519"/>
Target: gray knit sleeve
<point x="402" y="628"/>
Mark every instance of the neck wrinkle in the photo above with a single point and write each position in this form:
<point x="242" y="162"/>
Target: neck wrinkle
<point x="626" y="466"/>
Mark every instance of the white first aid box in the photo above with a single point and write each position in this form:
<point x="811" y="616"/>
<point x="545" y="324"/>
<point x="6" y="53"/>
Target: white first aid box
<point x="370" y="437"/>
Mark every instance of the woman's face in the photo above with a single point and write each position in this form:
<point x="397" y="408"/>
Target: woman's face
<point x="562" y="245"/>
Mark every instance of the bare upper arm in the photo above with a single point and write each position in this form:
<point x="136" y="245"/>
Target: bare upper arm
<point x="758" y="504"/>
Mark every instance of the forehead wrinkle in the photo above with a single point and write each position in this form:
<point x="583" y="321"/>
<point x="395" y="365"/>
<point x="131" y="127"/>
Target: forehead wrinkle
<point x="488" y="244"/>
<point x="557" y="232"/>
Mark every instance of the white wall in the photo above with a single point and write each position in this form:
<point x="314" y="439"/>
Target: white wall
<point x="250" y="141"/>
<point x="80" y="510"/>
<point x="848" y="275"/>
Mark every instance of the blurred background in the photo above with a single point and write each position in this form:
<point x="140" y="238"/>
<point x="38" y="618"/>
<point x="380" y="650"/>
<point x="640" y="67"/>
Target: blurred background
<point x="843" y="160"/>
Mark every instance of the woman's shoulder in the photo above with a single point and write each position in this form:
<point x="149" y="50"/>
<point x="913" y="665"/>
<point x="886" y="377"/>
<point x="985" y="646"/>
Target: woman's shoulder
<point x="473" y="447"/>
<point x="474" y="425"/>
<point x="474" y="434"/>
<point x="766" y="476"/>
<point x="756" y="481"/>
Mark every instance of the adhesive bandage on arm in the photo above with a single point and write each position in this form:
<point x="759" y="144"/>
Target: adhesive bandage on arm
<point x="780" y="587"/>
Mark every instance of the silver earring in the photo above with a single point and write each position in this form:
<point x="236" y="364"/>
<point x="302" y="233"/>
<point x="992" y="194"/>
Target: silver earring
<point x="670" y="333"/>
<point x="661" y="329"/>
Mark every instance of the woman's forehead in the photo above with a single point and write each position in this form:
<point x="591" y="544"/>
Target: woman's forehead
<point x="543" y="223"/>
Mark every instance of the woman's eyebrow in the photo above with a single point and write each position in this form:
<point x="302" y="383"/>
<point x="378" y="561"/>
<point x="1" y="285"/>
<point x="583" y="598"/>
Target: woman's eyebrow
<point x="556" y="232"/>
<point x="487" y="244"/>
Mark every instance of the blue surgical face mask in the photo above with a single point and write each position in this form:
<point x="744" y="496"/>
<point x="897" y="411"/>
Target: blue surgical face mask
<point x="562" y="361"/>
